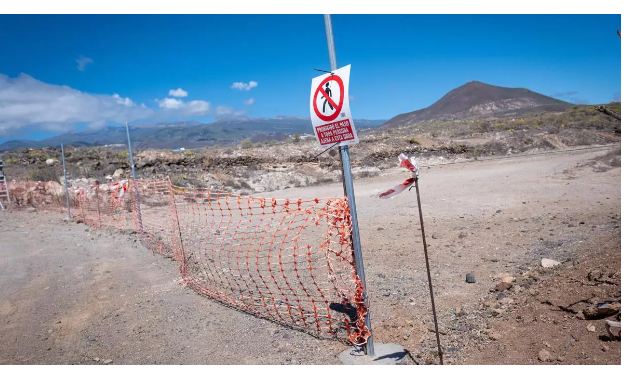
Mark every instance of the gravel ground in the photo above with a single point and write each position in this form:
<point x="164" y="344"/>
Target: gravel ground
<point x="69" y="294"/>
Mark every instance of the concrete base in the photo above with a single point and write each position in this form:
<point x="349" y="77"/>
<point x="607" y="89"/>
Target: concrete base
<point x="383" y="354"/>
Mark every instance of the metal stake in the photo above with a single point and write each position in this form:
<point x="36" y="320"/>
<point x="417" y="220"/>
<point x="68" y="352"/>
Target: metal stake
<point x="131" y="163"/>
<point x="65" y="181"/>
<point x="98" y="204"/>
<point x="432" y="296"/>
<point x="348" y="186"/>
<point x="182" y="266"/>
<point x="136" y="193"/>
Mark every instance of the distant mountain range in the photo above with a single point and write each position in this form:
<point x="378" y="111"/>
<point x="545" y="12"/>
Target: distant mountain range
<point x="185" y="134"/>
<point x="476" y="100"/>
<point x="471" y="100"/>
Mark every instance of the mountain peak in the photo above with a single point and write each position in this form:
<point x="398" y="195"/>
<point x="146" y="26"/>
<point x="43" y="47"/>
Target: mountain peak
<point x="478" y="99"/>
<point x="474" y="82"/>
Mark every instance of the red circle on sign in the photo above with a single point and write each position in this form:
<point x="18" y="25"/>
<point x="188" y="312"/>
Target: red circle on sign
<point x="337" y="106"/>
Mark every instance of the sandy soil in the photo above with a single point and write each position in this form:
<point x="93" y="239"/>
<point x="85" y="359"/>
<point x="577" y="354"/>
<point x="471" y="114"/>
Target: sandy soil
<point x="69" y="294"/>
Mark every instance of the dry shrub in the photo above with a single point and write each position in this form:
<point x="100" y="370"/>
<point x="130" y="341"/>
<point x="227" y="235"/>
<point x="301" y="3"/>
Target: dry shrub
<point x="43" y="174"/>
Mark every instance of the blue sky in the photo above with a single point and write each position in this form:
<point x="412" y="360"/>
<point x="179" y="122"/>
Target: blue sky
<point x="399" y="64"/>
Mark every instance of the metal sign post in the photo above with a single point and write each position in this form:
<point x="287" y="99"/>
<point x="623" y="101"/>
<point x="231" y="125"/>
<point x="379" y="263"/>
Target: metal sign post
<point x="65" y="181"/>
<point x="348" y="185"/>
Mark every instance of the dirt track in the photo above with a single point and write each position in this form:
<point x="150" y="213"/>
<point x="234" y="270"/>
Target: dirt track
<point x="69" y="294"/>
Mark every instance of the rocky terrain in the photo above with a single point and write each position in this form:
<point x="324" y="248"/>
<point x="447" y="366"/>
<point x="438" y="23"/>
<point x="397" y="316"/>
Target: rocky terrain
<point x="540" y="234"/>
<point x="251" y="167"/>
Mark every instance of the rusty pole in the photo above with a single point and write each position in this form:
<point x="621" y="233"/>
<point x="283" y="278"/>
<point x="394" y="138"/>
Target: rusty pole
<point x="432" y="296"/>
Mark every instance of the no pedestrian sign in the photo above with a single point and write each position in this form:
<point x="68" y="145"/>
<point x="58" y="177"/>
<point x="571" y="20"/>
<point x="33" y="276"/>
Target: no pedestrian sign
<point x="329" y="109"/>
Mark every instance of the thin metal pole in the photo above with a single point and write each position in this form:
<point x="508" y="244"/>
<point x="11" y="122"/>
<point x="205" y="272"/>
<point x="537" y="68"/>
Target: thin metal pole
<point x="131" y="163"/>
<point x="6" y="185"/>
<point x="432" y="296"/>
<point x="328" y="33"/>
<point x="136" y="193"/>
<point x="348" y="186"/>
<point x="98" y="204"/>
<point x="181" y="253"/>
<point x="65" y="181"/>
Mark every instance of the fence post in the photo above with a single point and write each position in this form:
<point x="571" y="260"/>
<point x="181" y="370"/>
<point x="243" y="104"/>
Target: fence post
<point x="131" y="163"/>
<point x="136" y="193"/>
<point x="100" y="223"/>
<point x="177" y="238"/>
<point x="65" y="181"/>
<point x="82" y="200"/>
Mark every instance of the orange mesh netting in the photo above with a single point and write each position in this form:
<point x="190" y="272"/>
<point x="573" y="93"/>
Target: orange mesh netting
<point x="104" y="205"/>
<point x="152" y="212"/>
<point x="289" y="261"/>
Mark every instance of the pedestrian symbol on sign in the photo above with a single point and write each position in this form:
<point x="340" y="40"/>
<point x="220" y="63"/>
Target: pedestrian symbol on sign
<point x="327" y="96"/>
<point x="330" y="93"/>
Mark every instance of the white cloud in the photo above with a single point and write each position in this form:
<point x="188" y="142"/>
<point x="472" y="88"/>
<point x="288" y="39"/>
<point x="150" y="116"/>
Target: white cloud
<point x="250" y="101"/>
<point x="198" y="107"/>
<point x="170" y="103"/>
<point x="126" y="101"/>
<point x="26" y="102"/>
<point x="239" y="85"/>
<point x="82" y="62"/>
<point x="226" y="113"/>
<point x="191" y="108"/>
<point x="31" y="104"/>
<point x="177" y="93"/>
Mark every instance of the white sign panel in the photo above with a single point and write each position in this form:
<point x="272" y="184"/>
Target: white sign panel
<point x="329" y="109"/>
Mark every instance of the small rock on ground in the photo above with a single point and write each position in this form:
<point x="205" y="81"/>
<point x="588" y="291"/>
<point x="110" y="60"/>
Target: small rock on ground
<point x="547" y="263"/>
<point x="506" y="278"/>
<point x="470" y="278"/>
<point x="544" y="355"/>
<point x="493" y="335"/>
<point x="502" y="286"/>
<point x="601" y="310"/>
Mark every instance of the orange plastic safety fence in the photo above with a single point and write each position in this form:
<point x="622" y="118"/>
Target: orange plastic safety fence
<point x="289" y="261"/>
<point x="103" y="205"/>
<point x="152" y="213"/>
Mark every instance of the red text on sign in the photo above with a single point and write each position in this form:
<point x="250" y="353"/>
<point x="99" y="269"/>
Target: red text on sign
<point x="338" y="131"/>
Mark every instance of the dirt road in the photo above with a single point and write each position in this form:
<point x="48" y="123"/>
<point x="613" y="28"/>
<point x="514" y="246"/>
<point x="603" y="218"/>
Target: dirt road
<point x="69" y="294"/>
